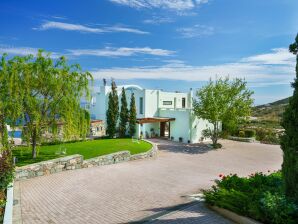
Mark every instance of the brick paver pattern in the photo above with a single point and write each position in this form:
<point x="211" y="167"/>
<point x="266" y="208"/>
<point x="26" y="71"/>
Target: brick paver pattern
<point x="194" y="214"/>
<point x="133" y="190"/>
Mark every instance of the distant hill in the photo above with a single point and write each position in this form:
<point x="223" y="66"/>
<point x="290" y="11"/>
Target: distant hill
<point x="271" y="111"/>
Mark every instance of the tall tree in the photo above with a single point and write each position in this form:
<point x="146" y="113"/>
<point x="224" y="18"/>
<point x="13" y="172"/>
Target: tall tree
<point x="289" y="142"/>
<point x="113" y="111"/>
<point x="222" y="101"/>
<point x="123" y="114"/>
<point x="52" y="94"/>
<point x="132" y="115"/>
<point x="11" y="93"/>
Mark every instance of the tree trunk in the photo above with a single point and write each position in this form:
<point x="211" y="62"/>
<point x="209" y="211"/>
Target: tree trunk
<point x="34" y="139"/>
<point x="3" y="131"/>
<point x="215" y="133"/>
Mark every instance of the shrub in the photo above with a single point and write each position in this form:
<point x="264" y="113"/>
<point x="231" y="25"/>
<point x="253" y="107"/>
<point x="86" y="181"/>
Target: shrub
<point x="258" y="196"/>
<point x="6" y="168"/>
<point x="249" y="133"/>
<point x="241" y="134"/>
<point x="268" y="136"/>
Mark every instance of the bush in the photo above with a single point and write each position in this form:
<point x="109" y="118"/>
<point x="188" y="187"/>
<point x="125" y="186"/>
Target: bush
<point x="259" y="196"/>
<point x="6" y="176"/>
<point x="267" y="136"/>
<point x="250" y="133"/>
<point x="261" y="134"/>
<point x="241" y="134"/>
<point x="6" y="168"/>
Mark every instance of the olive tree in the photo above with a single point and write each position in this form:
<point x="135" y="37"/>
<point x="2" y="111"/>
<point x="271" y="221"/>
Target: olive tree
<point x="222" y="100"/>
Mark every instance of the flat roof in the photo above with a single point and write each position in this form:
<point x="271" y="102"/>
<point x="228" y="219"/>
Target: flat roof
<point x="154" y="119"/>
<point x="96" y="121"/>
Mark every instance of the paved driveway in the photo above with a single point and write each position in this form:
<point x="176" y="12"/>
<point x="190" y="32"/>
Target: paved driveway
<point x="130" y="191"/>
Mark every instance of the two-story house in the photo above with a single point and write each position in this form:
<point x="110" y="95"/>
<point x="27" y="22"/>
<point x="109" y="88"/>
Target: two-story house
<point x="159" y="113"/>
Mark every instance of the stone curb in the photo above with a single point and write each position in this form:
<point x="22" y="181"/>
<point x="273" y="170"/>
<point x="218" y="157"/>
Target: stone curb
<point x="233" y="216"/>
<point x="9" y="205"/>
<point x="76" y="161"/>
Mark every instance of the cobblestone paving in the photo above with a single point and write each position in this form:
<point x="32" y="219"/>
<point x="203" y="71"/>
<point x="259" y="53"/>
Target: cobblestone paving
<point x="133" y="190"/>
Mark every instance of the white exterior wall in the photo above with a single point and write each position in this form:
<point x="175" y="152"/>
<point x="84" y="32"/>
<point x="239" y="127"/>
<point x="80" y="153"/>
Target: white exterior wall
<point x="180" y="127"/>
<point x="185" y="126"/>
<point x="151" y="103"/>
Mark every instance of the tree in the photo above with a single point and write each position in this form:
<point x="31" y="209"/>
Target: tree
<point x="289" y="142"/>
<point x="113" y="111"/>
<point x="123" y="114"/>
<point x="132" y="115"/>
<point x="11" y="94"/>
<point x="222" y="101"/>
<point x="52" y="94"/>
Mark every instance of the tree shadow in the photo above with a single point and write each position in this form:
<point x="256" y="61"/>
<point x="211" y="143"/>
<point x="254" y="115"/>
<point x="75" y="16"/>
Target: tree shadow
<point x="177" y="147"/>
<point x="192" y="212"/>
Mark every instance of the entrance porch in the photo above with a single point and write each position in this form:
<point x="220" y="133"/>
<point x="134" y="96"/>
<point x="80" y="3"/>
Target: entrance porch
<point x="154" y="127"/>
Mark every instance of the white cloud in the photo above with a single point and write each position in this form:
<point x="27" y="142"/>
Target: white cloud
<point x="277" y="56"/>
<point x="195" y="31"/>
<point x="122" y="51"/>
<point x="156" y="20"/>
<point x="86" y="29"/>
<point x="178" y="5"/>
<point x="22" y="51"/>
<point x="254" y="73"/>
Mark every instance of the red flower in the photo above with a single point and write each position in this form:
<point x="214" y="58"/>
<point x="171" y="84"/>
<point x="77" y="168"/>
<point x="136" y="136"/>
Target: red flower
<point x="220" y="175"/>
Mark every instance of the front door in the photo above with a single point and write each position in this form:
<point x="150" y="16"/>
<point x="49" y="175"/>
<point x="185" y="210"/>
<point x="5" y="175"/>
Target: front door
<point x="162" y="129"/>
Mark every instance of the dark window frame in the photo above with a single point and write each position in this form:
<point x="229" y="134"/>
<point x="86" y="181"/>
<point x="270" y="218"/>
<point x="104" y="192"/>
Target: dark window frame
<point x="167" y="103"/>
<point x="183" y="102"/>
<point x="141" y="109"/>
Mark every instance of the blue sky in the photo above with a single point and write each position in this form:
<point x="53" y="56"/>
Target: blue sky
<point x="165" y="44"/>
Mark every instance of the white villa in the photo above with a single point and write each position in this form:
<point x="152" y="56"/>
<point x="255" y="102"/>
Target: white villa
<point x="159" y="113"/>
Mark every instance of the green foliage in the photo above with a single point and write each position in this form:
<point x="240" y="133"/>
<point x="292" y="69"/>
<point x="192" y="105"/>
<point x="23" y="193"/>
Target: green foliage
<point x="11" y="94"/>
<point x="259" y="196"/>
<point x="43" y="92"/>
<point x="249" y="133"/>
<point x="223" y="101"/>
<point x="113" y="111"/>
<point x="6" y="168"/>
<point x="289" y="142"/>
<point x="267" y="136"/>
<point x="124" y="113"/>
<point x="241" y="134"/>
<point x="132" y="115"/>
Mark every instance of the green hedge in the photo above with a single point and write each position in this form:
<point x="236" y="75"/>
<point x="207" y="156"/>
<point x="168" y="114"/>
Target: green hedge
<point x="259" y="196"/>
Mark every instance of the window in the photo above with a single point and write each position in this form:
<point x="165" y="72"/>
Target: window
<point x="183" y="102"/>
<point x="167" y="102"/>
<point x="141" y="105"/>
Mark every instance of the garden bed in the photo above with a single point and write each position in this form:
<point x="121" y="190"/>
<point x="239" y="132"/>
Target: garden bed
<point x="259" y="196"/>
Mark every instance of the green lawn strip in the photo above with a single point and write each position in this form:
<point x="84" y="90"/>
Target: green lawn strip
<point x="88" y="149"/>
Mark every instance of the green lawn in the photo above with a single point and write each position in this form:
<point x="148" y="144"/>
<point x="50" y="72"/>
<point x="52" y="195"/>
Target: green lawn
<point x="88" y="149"/>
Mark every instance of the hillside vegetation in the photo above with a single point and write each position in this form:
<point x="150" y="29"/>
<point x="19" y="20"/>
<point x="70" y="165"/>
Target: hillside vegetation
<point x="269" y="115"/>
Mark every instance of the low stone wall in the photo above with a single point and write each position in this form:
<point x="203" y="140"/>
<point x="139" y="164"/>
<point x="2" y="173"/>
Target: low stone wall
<point x="76" y="162"/>
<point x="48" y="167"/>
<point x="242" y="139"/>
